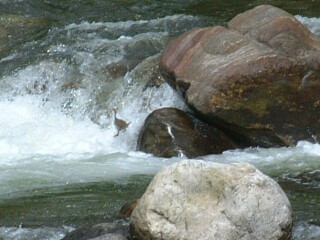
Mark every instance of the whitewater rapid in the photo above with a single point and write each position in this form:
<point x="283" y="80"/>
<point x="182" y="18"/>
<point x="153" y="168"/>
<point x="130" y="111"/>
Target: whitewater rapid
<point x="48" y="137"/>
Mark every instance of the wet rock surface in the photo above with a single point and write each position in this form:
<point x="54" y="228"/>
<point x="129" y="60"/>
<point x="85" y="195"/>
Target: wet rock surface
<point x="15" y="28"/>
<point x="102" y="231"/>
<point x="169" y="132"/>
<point x="262" y="74"/>
<point x="126" y="210"/>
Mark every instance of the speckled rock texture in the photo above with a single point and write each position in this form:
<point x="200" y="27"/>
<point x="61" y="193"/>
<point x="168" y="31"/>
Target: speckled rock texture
<point x="201" y="200"/>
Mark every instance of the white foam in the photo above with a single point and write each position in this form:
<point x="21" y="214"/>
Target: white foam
<point x="44" y="146"/>
<point x="28" y="129"/>
<point x="312" y="23"/>
<point x="307" y="148"/>
<point x="39" y="123"/>
<point x="160" y="24"/>
<point x="274" y="161"/>
<point x="304" y="230"/>
<point x="33" y="233"/>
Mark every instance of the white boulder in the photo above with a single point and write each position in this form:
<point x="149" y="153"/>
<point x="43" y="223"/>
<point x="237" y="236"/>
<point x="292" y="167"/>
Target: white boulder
<point x="198" y="200"/>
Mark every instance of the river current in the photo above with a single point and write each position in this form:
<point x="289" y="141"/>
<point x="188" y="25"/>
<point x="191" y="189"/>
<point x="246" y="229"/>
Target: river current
<point x="64" y="65"/>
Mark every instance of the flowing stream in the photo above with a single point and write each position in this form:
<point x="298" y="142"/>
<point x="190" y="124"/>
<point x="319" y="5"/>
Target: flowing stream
<point x="64" y="65"/>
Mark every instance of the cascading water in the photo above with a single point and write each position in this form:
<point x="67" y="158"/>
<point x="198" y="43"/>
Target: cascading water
<point x="57" y="127"/>
<point x="60" y="164"/>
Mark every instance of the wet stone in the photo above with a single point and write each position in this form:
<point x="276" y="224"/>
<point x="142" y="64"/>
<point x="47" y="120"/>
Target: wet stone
<point x="261" y="74"/>
<point x="169" y="132"/>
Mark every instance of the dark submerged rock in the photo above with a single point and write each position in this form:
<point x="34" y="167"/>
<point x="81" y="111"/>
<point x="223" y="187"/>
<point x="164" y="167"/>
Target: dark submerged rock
<point x="169" y="132"/>
<point x="126" y="210"/>
<point x="134" y="53"/>
<point x="258" y="81"/>
<point x="16" y="29"/>
<point x="114" y="231"/>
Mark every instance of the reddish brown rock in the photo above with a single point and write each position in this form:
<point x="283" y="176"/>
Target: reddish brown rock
<point x="169" y="132"/>
<point x="277" y="29"/>
<point x="258" y="81"/>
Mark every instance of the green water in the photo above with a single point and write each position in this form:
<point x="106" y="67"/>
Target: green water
<point x="79" y="204"/>
<point x="86" y="204"/>
<point x="64" y="12"/>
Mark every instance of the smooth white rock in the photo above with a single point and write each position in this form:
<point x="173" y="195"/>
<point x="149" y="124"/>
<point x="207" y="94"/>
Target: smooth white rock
<point x="194" y="199"/>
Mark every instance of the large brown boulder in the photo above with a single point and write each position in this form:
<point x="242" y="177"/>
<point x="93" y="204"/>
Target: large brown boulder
<point x="201" y="200"/>
<point x="258" y="81"/>
<point x="277" y="29"/>
<point x="169" y="132"/>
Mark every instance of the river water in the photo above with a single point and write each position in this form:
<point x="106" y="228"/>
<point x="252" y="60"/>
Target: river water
<point x="64" y="65"/>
